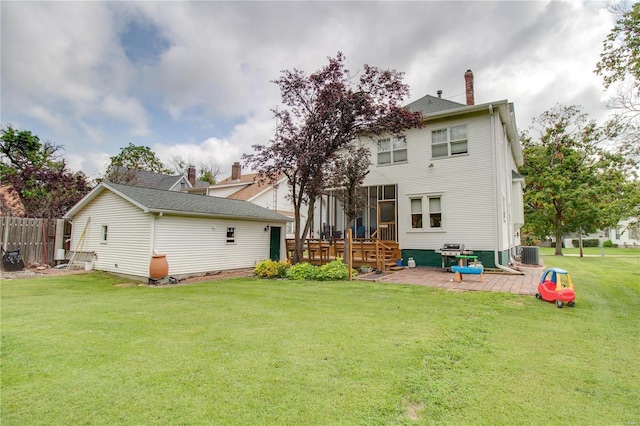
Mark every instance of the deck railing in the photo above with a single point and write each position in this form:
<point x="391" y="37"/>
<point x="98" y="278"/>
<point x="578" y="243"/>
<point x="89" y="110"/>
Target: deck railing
<point x="379" y="254"/>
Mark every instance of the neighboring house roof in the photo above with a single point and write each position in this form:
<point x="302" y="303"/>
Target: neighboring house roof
<point x="202" y="184"/>
<point x="248" y="188"/>
<point x="159" y="180"/>
<point x="430" y="104"/>
<point x="10" y="202"/>
<point x="152" y="200"/>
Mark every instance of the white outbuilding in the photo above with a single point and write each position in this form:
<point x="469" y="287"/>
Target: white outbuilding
<point x="124" y="226"/>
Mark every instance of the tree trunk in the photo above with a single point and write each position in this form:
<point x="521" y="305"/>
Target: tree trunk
<point x="558" y="234"/>
<point x="302" y="236"/>
<point x="580" y="244"/>
<point x="558" y="245"/>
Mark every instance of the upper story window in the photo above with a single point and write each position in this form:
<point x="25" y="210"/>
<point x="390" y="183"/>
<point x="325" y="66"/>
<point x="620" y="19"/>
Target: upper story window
<point x="392" y="150"/>
<point x="449" y="141"/>
<point x="104" y="230"/>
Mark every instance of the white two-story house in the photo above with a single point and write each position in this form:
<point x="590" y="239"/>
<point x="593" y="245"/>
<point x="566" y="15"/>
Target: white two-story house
<point x="455" y="180"/>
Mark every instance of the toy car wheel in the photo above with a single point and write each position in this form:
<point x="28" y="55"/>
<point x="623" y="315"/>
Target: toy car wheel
<point x="538" y="296"/>
<point x="571" y="304"/>
<point x="559" y="303"/>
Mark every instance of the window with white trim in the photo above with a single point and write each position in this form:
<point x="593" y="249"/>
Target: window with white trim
<point x="103" y="233"/>
<point x="448" y="142"/>
<point x="231" y="234"/>
<point x="392" y="150"/>
<point x="426" y="212"/>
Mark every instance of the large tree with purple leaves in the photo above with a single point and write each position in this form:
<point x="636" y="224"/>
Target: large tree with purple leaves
<point x="323" y="114"/>
<point x="35" y="170"/>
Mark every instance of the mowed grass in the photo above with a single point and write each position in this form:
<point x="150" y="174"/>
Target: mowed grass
<point x="80" y="350"/>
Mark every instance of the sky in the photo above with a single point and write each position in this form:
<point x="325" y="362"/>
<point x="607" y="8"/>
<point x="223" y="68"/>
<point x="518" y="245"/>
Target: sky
<point x="194" y="79"/>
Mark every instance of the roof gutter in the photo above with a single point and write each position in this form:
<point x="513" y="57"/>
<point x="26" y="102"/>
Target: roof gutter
<point x="220" y="216"/>
<point x="496" y="204"/>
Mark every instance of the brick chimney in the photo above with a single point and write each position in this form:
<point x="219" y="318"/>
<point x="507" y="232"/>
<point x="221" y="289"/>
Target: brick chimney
<point x="235" y="171"/>
<point x="191" y="175"/>
<point x="468" y="85"/>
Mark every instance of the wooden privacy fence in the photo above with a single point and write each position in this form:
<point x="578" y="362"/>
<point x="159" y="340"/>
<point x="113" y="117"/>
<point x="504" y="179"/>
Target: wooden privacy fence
<point x="35" y="238"/>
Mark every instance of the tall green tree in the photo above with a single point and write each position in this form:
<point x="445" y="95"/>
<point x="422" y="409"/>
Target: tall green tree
<point x="124" y="166"/>
<point x="619" y="65"/>
<point x="620" y="58"/>
<point x="573" y="183"/>
<point x="39" y="174"/>
<point x="323" y="113"/>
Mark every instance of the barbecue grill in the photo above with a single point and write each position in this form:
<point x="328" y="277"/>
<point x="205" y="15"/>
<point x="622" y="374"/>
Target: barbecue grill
<point x="449" y="251"/>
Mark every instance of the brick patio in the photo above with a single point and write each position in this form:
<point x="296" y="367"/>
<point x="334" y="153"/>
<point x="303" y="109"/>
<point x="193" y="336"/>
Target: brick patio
<point x="525" y="284"/>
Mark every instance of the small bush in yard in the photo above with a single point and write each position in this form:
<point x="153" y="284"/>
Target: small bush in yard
<point x="302" y="271"/>
<point x="271" y="269"/>
<point x="335" y="270"/>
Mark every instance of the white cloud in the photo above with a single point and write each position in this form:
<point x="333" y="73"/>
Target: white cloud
<point x="128" y="110"/>
<point x="209" y="92"/>
<point x="48" y="118"/>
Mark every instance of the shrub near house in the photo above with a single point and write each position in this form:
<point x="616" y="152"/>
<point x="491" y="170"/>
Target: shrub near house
<point x="332" y="271"/>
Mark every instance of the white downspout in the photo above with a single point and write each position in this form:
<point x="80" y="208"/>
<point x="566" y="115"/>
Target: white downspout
<point x="496" y="204"/>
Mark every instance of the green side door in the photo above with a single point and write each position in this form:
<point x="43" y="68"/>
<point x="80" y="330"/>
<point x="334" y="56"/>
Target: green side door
<point x="274" y="243"/>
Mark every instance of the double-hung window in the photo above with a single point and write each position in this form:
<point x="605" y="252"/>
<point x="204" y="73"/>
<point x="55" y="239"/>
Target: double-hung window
<point x="429" y="207"/>
<point x="449" y="141"/>
<point x="435" y="212"/>
<point x="416" y="213"/>
<point x="392" y="150"/>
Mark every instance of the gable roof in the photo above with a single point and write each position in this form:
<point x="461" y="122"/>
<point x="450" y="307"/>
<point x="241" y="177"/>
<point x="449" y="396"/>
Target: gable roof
<point x="248" y="188"/>
<point x="151" y="200"/>
<point x="430" y="104"/>
<point x="157" y="180"/>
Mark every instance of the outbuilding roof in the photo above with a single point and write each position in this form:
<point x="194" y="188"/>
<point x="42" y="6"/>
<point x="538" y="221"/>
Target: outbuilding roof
<point x="151" y="200"/>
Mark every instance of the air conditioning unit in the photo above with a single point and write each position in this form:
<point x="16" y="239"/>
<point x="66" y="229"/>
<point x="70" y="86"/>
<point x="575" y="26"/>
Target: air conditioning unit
<point x="530" y="255"/>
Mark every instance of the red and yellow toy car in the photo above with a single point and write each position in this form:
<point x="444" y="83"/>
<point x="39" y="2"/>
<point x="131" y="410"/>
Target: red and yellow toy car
<point x="551" y="288"/>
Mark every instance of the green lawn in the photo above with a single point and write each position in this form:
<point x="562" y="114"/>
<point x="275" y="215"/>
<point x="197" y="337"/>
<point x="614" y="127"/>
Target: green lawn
<point x="80" y="350"/>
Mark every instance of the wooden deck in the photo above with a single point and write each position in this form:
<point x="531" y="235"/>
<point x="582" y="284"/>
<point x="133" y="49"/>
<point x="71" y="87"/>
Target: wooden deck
<point x="380" y="254"/>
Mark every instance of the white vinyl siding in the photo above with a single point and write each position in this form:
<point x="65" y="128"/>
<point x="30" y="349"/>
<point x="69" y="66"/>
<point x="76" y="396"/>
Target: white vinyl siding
<point x="198" y="245"/>
<point x="129" y="235"/>
<point x="465" y="182"/>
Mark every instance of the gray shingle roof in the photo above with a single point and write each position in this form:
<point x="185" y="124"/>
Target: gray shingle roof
<point x="431" y="104"/>
<point x="156" y="180"/>
<point x="157" y="200"/>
